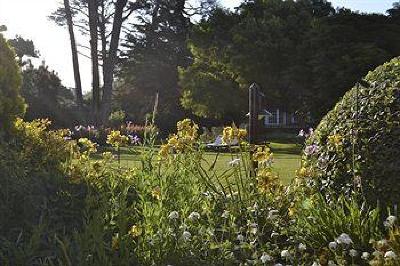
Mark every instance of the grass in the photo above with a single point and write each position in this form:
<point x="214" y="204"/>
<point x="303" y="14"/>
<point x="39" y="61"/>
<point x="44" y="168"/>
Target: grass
<point x="286" y="159"/>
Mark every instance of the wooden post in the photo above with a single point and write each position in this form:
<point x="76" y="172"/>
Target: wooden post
<point x="253" y="113"/>
<point x="254" y="106"/>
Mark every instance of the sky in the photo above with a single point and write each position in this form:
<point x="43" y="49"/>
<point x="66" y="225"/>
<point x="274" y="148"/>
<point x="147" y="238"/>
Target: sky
<point x="29" y="18"/>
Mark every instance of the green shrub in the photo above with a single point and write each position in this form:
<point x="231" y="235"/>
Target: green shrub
<point x="319" y="223"/>
<point x="357" y="145"/>
<point x="36" y="199"/>
<point x="117" y="118"/>
<point x="11" y="103"/>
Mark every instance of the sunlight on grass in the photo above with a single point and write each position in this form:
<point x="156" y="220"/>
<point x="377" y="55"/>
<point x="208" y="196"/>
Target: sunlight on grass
<point x="286" y="159"/>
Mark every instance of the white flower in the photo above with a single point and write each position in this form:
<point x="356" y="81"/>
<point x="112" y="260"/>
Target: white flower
<point x="344" y="239"/>
<point x="315" y="264"/>
<point x="253" y="228"/>
<point x="390" y="220"/>
<point x="353" y="253"/>
<point x="234" y="162"/>
<point x="278" y="264"/>
<point x="332" y="245"/>
<point x="225" y="214"/>
<point x="255" y="206"/>
<point x="365" y="255"/>
<point x="382" y="243"/>
<point x="186" y="236"/>
<point x="331" y="263"/>
<point x="377" y="253"/>
<point x="272" y="214"/>
<point x="390" y="255"/>
<point x="274" y="234"/>
<point x="194" y="216"/>
<point x="173" y="215"/>
<point x="240" y="237"/>
<point x="302" y="247"/>
<point x="285" y="253"/>
<point x="265" y="258"/>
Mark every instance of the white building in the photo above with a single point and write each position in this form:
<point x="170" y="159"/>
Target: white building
<point x="278" y="118"/>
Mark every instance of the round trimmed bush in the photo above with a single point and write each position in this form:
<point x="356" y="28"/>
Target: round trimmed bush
<point x="356" y="147"/>
<point x="11" y="103"/>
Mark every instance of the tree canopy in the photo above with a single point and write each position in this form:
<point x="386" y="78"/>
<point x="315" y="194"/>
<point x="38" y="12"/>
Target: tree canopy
<point x="304" y="54"/>
<point x="11" y="103"/>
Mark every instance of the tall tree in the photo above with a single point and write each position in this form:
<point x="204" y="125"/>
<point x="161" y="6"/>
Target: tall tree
<point x="46" y="97"/>
<point x="155" y="48"/>
<point x="110" y="60"/>
<point x="74" y="52"/>
<point x="93" y="9"/>
<point x="23" y="47"/>
<point x="64" y="16"/>
<point x="103" y="21"/>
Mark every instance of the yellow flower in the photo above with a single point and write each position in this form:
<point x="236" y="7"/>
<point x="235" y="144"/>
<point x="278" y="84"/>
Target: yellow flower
<point x="291" y="211"/>
<point x="88" y="145"/>
<point x="266" y="180"/>
<point x="263" y="155"/>
<point x="164" y="151"/>
<point x="173" y="141"/>
<point x="227" y="135"/>
<point x="302" y="172"/>
<point x="156" y="193"/>
<point x="187" y="132"/>
<point x="116" y="139"/>
<point x="242" y="134"/>
<point x="135" y="231"/>
<point x="336" y="140"/>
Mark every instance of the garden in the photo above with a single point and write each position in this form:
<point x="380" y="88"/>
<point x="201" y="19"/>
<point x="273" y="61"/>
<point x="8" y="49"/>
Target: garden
<point x="132" y="194"/>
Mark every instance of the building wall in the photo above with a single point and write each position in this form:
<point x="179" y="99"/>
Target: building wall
<point x="279" y="119"/>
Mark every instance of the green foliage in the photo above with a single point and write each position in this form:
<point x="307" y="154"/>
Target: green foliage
<point x="358" y="142"/>
<point x="23" y="48"/>
<point x="303" y="54"/>
<point x="36" y="201"/>
<point x="47" y="97"/>
<point x="157" y="47"/>
<point x="117" y="118"/>
<point x="11" y="103"/>
<point x="319" y="223"/>
<point x="176" y="209"/>
<point x="210" y="92"/>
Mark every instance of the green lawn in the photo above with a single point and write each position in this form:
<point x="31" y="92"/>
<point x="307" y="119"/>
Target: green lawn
<point x="286" y="159"/>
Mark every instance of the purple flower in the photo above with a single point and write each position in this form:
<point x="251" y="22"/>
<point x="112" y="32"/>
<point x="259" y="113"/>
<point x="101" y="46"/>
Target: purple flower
<point x="78" y="128"/>
<point x="90" y="128"/>
<point x="311" y="149"/>
<point x="135" y="140"/>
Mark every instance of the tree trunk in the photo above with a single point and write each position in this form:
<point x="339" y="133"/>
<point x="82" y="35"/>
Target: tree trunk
<point x="75" y="60"/>
<point x="103" y="32"/>
<point x="111" y="60"/>
<point x="93" y="28"/>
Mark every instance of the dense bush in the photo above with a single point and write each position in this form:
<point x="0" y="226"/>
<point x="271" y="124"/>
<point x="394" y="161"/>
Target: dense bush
<point x="11" y="103"/>
<point x="357" y="145"/>
<point x="36" y="199"/>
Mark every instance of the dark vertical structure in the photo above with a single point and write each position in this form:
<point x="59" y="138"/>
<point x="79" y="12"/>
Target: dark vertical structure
<point x="254" y="110"/>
